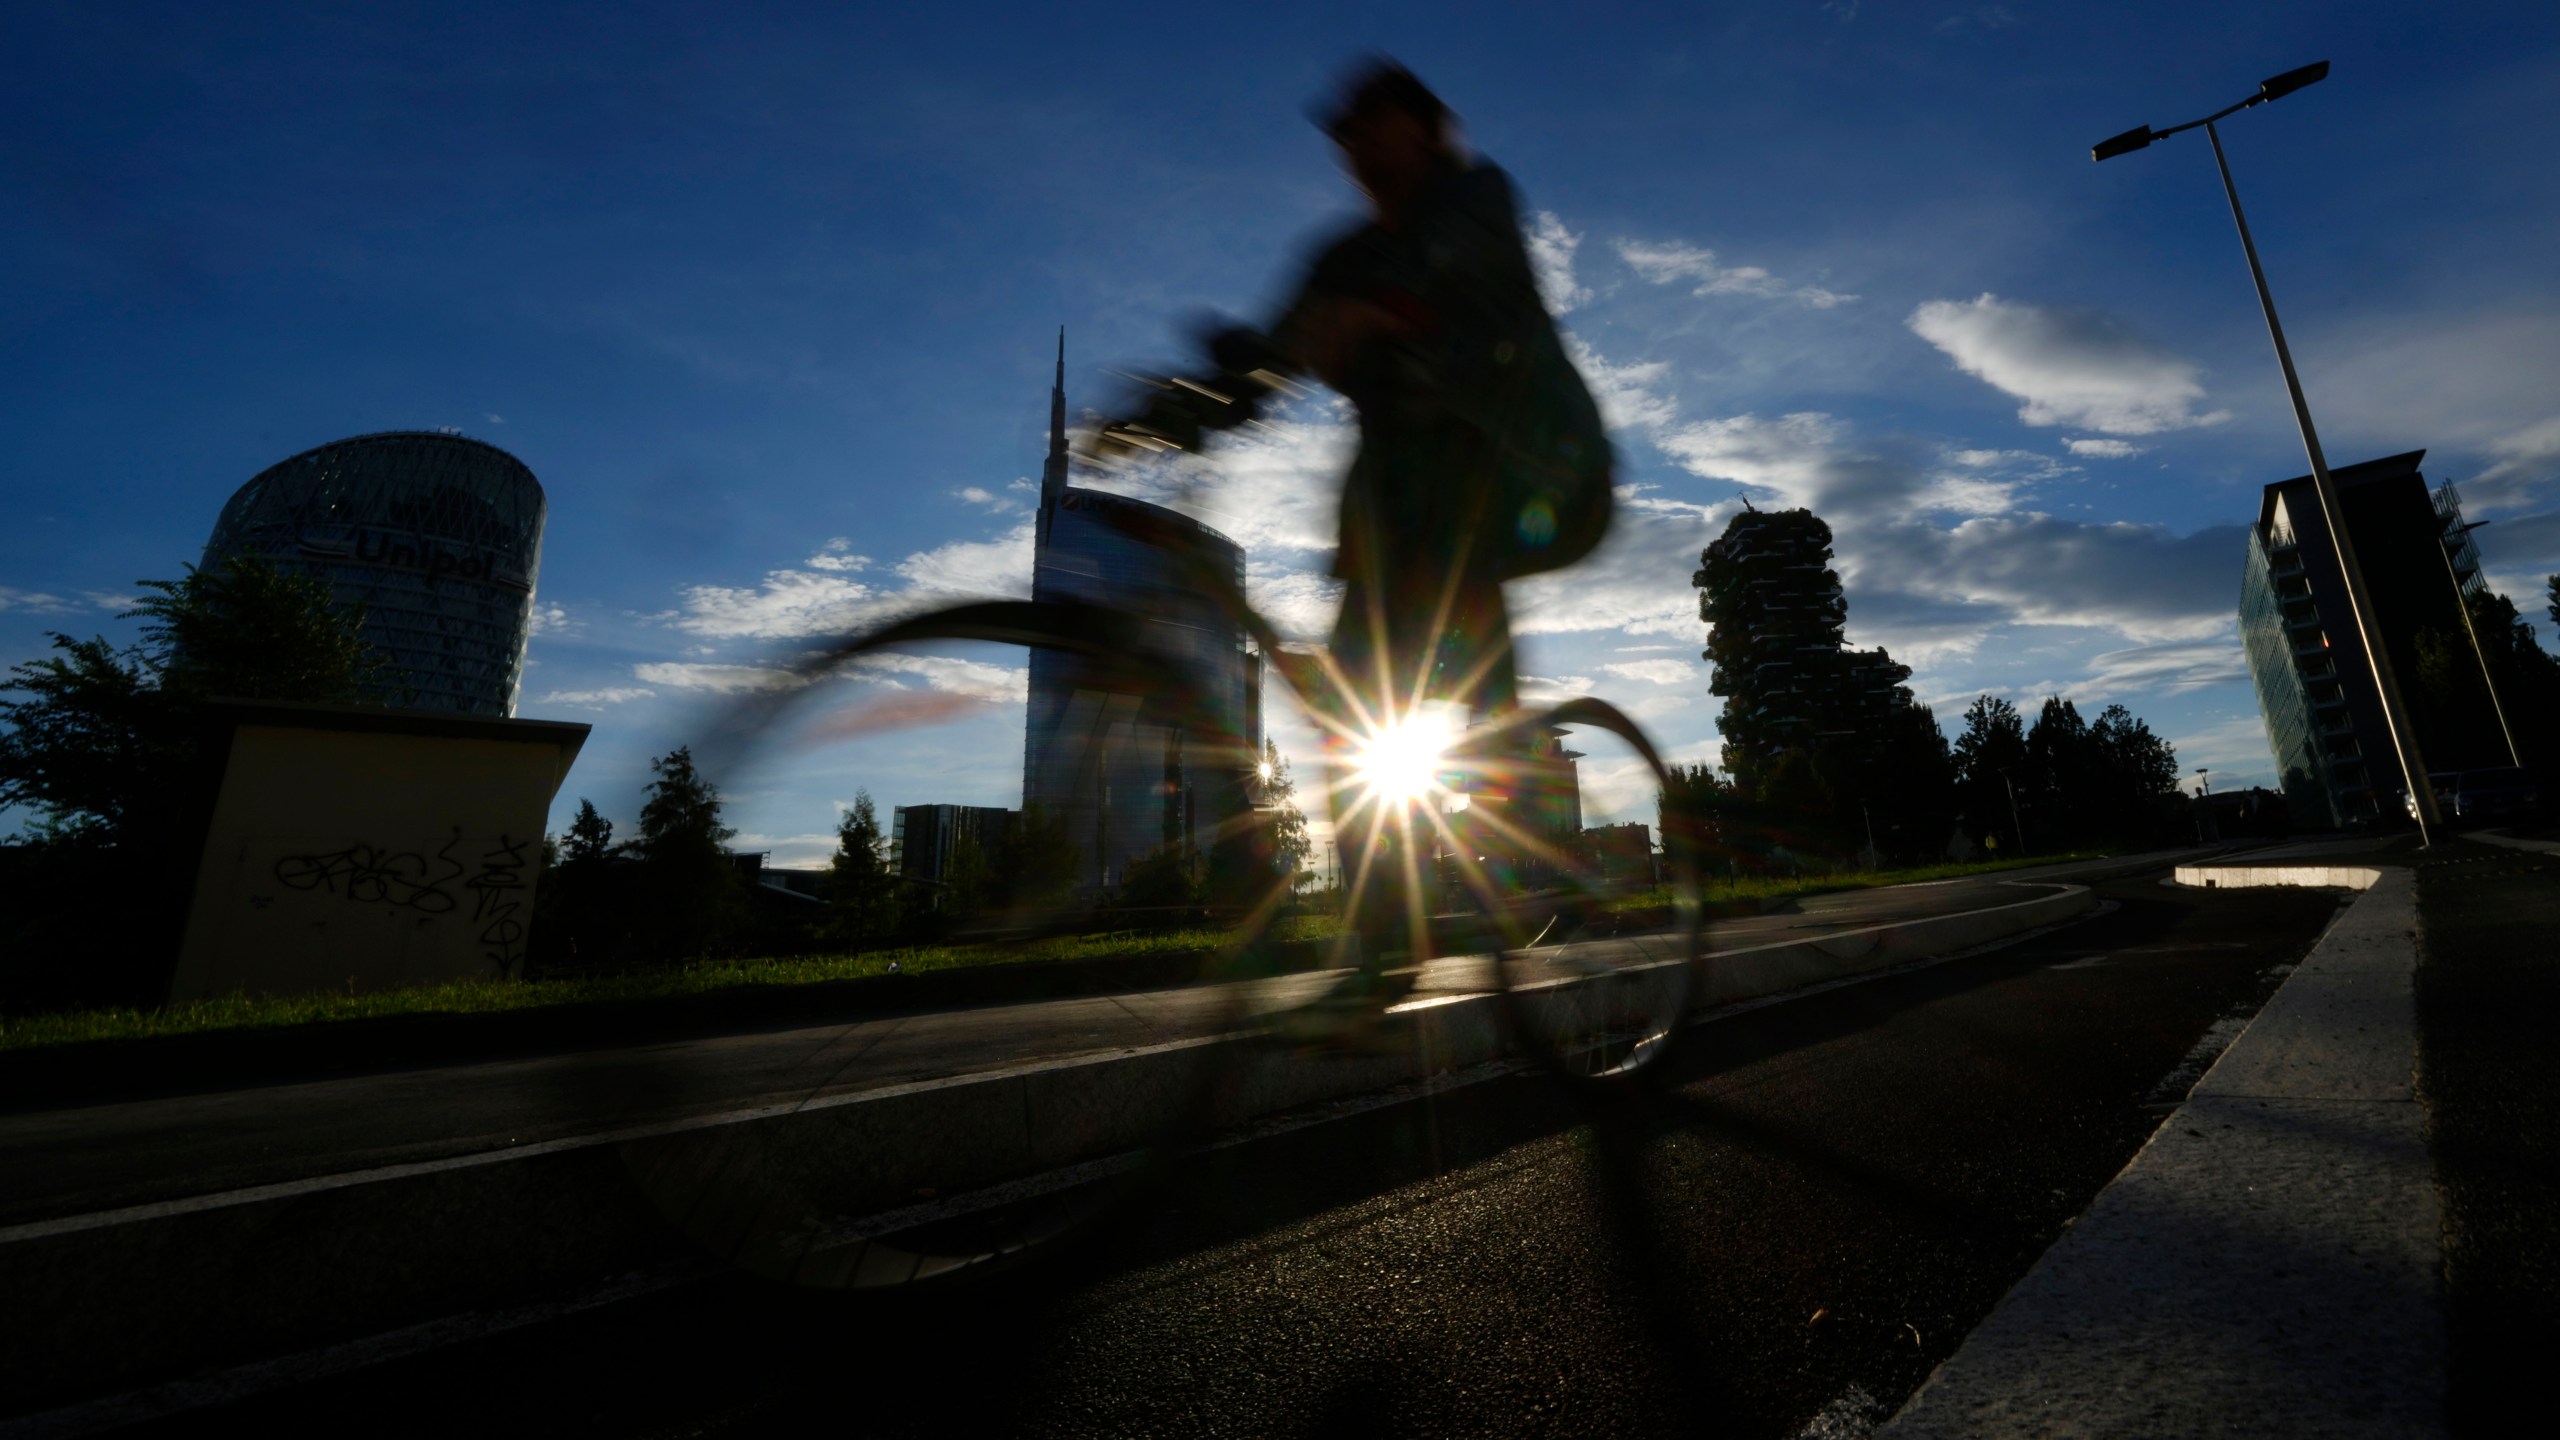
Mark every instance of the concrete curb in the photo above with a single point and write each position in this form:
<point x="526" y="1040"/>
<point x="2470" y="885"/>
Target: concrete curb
<point x="2516" y="842"/>
<point x="2240" y="877"/>
<point x="2270" y="1263"/>
<point x="120" y="1296"/>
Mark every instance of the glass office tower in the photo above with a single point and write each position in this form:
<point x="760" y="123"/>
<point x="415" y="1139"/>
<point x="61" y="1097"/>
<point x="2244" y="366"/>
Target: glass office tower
<point x="1099" y="761"/>
<point x="437" y="536"/>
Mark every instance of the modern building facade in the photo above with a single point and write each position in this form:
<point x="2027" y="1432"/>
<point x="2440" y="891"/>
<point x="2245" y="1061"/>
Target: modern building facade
<point x="1111" y="767"/>
<point x="2315" y="685"/>
<point x="437" y="536"/>
<point x="924" y="840"/>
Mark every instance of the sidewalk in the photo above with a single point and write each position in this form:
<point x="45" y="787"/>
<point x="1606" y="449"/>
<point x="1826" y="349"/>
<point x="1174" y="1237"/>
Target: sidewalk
<point x="2271" y="1262"/>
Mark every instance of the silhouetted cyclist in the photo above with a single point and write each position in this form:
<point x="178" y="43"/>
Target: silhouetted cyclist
<point x="1482" y="457"/>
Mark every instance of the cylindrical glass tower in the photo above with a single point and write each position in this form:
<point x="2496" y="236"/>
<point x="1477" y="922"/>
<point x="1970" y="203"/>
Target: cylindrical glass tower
<point x="440" y="539"/>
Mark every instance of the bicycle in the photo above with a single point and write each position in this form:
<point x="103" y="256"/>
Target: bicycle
<point x="1590" y="982"/>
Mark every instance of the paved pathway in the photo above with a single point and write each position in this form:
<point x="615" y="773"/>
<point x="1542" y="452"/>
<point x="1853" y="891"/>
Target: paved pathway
<point x="98" y="1157"/>
<point x="2269" y="1264"/>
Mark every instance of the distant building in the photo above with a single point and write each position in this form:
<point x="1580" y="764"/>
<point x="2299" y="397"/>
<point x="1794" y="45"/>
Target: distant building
<point x="1624" y="853"/>
<point x="438" y="537"/>
<point x="2315" y="685"/>
<point x="1523" y="821"/>
<point x="924" y="840"/>
<point x="1105" y="764"/>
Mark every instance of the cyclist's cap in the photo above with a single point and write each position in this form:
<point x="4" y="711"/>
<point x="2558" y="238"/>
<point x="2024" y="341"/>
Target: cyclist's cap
<point x="1373" y="85"/>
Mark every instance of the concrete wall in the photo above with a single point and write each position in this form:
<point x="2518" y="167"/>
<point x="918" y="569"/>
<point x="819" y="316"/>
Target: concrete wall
<point x="367" y="849"/>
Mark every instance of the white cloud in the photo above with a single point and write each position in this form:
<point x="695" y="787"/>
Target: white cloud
<point x="953" y="675"/>
<point x="789" y="852"/>
<point x="1551" y="248"/>
<point x="837" y="555"/>
<point x="2103" y="449"/>
<point x="718" y="679"/>
<point x="1969" y="495"/>
<point x="493" y="419"/>
<point x="788" y="603"/>
<point x="597" y="699"/>
<point x="2519" y="464"/>
<point x="1664" y="264"/>
<point x="998" y="567"/>
<point x="1548" y="689"/>
<point x="553" y="619"/>
<point x="2146" y="582"/>
<point x="1299" y="603"/>
<point x="1806" y="458"/>
<point x="1627" y="394"/>
<point x="1654" y="672"/>
<point x="2173" y="668"/>
<point x="34" y="601"/>
<point x="980" y="495"/>
<point x="2071" y="367"/>
<point x="2476" y="389"/>
<point x="1636" y="583"/>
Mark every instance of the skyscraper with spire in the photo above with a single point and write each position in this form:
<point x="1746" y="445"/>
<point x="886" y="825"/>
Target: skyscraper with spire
<point x="1099" y="760"/>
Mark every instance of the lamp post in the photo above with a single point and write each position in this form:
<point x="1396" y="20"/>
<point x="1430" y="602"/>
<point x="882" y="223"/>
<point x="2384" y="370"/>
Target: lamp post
<point x="2462" y="602"/>
<point x="2395" y="711"/>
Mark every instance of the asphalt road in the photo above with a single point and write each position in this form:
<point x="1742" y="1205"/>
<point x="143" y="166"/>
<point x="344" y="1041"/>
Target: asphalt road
<point x="97" y="1157"/>
<point x="1810" y="1213"/>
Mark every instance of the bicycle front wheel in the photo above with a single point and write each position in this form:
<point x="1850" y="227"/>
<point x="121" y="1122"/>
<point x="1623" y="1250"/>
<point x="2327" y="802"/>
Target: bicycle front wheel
<point x="1601" y="940"/>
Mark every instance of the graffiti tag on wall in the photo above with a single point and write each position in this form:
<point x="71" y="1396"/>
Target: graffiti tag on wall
<point x="498" y="881"/>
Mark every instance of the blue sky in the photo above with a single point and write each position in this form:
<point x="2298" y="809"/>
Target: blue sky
<point x="766" y="294"/>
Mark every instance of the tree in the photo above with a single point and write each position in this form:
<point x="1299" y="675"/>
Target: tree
<point x="1908" y="783"/>
<point x="1289" y="843"/>
<point x="1040" y="863"/>
<point x="2527" y="677"/>
<point x="250" y="630"/>
<point x="576" y="904"/>
<point x="862" y="891"/>
<point x="1989" y="752"/>
<point x="2551" y="588"/>
<point x="2054" y="782"/>
<point x="1692" y="812"/>
<point x="590" y="836"/>
<point x="1159" y="890"/>
<point x="2136" y="790"/>
<point x="691" y="888"/>
<point x="103" y="745"/>
<point x="105" y="748"/>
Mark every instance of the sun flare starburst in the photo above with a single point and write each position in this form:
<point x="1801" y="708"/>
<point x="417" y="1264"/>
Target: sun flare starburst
<point x="1401" y="760"/>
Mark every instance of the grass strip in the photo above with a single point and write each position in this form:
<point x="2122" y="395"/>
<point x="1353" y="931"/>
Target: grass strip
<point x="481" y="997"/>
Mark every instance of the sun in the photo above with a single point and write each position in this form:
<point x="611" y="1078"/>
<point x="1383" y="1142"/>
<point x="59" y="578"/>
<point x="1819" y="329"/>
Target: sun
<point x="1401" y="761"/>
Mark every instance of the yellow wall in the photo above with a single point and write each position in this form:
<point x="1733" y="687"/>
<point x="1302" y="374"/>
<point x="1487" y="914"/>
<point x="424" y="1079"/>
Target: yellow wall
<point x="362" y="860"/>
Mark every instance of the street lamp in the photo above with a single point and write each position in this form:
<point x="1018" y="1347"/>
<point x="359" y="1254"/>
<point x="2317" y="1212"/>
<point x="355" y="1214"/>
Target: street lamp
<point x="2462" y="602"/>
<point x="2395" y="712"/>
